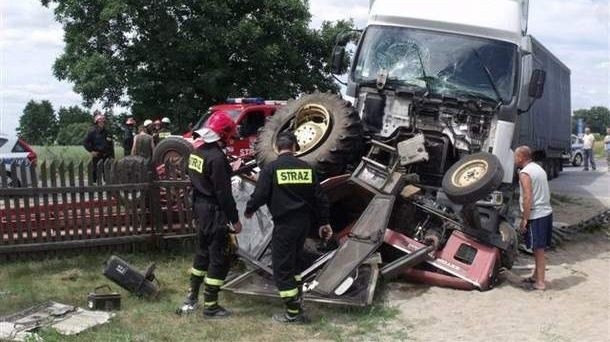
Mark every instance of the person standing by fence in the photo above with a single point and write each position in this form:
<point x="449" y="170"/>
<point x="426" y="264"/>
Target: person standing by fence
<point x="143" y="144"/>
<point x="165" y="132"/>
<point x="99" y="143"/>
<point x="129" y="132"/>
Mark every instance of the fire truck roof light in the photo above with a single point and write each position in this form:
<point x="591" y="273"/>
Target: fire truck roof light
<point x="244" y="100"/>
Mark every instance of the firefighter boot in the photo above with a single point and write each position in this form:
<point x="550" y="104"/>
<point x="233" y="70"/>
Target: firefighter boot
<point x="299" y="282"/>
<point x="211" y="308"/>
<point x="294" y="312"/>
<point x="192" y="298"/>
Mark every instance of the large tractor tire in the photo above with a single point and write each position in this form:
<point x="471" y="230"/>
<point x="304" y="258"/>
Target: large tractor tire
<point x="473" y="177"/>
<point x="173" y="151"/>
<point x="327" y="128"/>
<point x="130" y="170"/>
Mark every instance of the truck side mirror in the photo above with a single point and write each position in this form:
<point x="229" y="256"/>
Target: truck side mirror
<point x="337" y="65"/>
<point x="336" y="62"/>
<point x="536" y="89"/>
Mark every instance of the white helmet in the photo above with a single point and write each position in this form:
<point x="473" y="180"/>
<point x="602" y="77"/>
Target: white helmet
<point x="147" y="122"/>
<point x="166" y="120"/>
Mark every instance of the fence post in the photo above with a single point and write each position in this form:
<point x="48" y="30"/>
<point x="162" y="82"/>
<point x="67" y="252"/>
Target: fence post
<point x="155" y="206"/>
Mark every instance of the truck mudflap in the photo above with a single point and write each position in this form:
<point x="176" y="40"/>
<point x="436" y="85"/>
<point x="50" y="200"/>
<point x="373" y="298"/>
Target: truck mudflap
<point x="361" y="292"/>
<point x="364" y="239"/>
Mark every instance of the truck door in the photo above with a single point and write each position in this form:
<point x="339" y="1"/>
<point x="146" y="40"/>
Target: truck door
<point x="248" y="125"/>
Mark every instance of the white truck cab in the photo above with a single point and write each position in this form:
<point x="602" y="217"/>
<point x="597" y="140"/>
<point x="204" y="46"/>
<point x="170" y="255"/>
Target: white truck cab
<point x="455" y="70"/>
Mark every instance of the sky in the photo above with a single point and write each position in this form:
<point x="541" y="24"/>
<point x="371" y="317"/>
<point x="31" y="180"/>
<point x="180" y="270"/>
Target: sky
<point x="577" y="31"/>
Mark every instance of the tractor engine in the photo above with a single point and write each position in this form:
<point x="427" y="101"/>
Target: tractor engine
<point x="451" y="128"/>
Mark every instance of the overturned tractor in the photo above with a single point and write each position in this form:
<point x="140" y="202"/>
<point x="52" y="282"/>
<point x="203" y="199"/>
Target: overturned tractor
<point x="409" y="205"/>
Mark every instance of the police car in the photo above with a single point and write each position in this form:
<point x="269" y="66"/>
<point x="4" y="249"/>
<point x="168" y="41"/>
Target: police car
<point x="15" y="151"/>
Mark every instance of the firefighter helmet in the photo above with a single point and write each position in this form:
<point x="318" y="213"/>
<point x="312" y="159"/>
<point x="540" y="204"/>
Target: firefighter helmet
<point x="221" y="123"/>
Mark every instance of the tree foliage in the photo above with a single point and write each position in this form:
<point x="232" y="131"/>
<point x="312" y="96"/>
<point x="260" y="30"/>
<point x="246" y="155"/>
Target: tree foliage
<point x="72" y="115"/>
<point x="596" y="118"/>
<point x="38" y="124"/>
<point x="175" y="58"/>
<point x="73" y="134"/>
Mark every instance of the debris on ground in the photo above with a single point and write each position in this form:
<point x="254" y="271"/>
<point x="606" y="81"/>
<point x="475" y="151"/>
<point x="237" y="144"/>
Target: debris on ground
<point x="65" y="319"/>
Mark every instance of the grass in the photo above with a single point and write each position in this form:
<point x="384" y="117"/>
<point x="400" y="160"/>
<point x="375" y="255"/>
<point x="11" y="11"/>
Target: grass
<point x="68" y="281"/>
<point x="67" y="154"/>
<point x="557" y="199"/>
<point x="598" y="150"/>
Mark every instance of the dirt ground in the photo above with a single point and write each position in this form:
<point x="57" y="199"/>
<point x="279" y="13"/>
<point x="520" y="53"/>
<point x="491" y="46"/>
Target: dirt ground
<point x="575" y="306"/>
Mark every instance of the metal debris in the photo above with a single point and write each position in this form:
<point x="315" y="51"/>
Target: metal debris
<point x="65" y="319"/>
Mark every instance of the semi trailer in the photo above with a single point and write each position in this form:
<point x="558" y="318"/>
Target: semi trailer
<point x="546" y="127"/>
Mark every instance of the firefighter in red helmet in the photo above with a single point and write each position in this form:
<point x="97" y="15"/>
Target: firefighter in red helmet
<point x="214" y="208"/>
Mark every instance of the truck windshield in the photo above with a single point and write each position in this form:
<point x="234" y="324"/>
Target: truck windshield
<point x="442" y="63"/>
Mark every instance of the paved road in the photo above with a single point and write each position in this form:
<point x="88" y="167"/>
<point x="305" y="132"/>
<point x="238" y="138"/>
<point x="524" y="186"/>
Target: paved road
<point x="575" y="181"/>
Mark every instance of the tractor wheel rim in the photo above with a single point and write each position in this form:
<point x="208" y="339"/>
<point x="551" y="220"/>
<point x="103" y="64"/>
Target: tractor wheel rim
<point x="470" y="173"/>
<point x="312" y="125"/>
<point x="175" y="159"/>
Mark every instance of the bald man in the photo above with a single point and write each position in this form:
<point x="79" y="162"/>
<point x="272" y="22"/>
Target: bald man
<point x="536" y="213"/>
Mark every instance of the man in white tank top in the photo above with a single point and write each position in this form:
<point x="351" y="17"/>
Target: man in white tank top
<point x="536" y="212"/>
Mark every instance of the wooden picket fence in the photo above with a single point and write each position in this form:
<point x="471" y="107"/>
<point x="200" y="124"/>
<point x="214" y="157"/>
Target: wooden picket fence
<point x="63" y="208"/>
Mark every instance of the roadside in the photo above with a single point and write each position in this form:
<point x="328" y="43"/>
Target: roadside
<point x="574" y="308"/>
<point x="591" y="188"/>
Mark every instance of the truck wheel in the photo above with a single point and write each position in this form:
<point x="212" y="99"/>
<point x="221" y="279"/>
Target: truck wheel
<point x="173" y="151"/>
<point x="473" y="177"/>
<point x="130" y="170"/>
<point x="547" y="165"/>
<point x="556" y="167"/>
<point x="327" y="128"/>
<point x="509" y="235"/>
<point x="577" y="160"/>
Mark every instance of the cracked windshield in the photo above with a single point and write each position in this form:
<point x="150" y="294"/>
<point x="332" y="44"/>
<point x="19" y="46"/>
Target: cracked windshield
<point x="445" y="64"/>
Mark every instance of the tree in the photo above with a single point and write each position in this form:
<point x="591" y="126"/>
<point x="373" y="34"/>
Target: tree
<point x="72" y="115"/>
<point x="38" y="124"/>
<point x="175" y="58"/>
<point x="596" y="118"/>
<point x="73" y="134"/>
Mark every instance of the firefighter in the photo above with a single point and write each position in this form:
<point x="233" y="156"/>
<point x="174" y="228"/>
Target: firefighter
<point x="164" y="131"/>
<point x="214" y="208"/>
<point x="143" y="144"/>
<point x="290" y="189"/>
<point x="156" y="130"/>
<point x="98" y="143"/>
<point x="129" y="133"/>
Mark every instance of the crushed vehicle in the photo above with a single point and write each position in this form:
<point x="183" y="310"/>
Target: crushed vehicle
<point x="417" y="158"/>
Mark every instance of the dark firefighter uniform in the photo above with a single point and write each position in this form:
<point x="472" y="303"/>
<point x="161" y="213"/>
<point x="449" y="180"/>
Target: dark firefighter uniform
<point x="164" y="132"/>
<point x="214" y="207"/>
<point x="161" y="134"/>
<point x="99" y="140"/>
<point x="129" y="133"/>
<point x="290" y="189"/>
